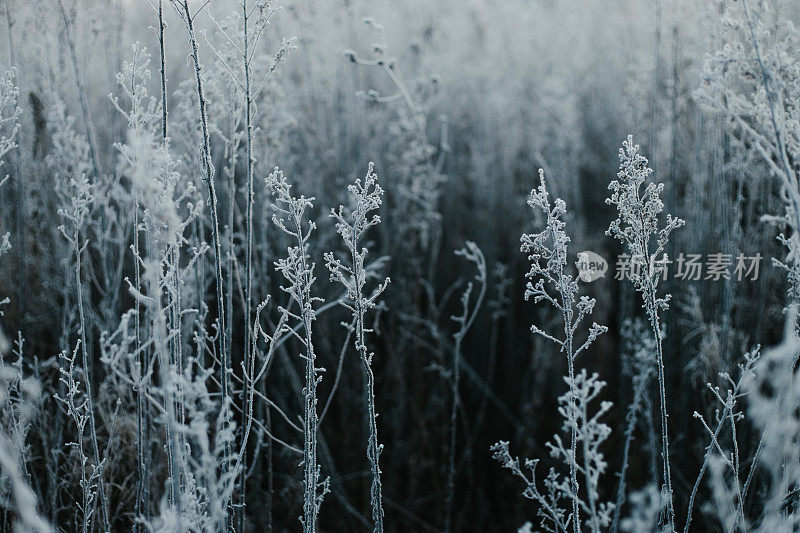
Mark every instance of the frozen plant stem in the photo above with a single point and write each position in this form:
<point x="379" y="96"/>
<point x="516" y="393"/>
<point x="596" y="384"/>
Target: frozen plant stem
<point x="249" y="166"/>
<point x="142" y="492"/>
<point x="472" y="253"/>
<point x="141" y="420"/>
<point x="77" y="411"/>
<point x="729" y="415"/>
<point x="566" y="315"/>
<point x="77" y="213"/>
<point x="299" y="274"/>
<point x="556" y="261"/>
<point x="255" y="18"/>
<point x="352" y="226"/>
<point x="592" y="433"/>
<point x="549" y="281"/>
<point x="175" y="309"/>
<point x="19" y="185"/>
<point x="637" y="228"/>
<point x="160" y="341"/>
<point x="208" y="169"/>
<point x="163" y="71"/>
<point x="69" y="31"/>
<point x="249" y="240"/>
<point x="642" y="348"/>
<point x="161" y="346"/>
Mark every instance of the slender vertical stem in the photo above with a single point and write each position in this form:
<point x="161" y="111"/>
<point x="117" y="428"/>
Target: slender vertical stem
<point x="176" y="347"/>
<point x="208" y="169"/>
<point x="141" y="421"/>
<point x="451" y="458"/>
<point x="631" y="418"/>
<point x="232" y="149"/>
<point x="161" y="27"/>
<point x="248" y="238"/>
<point x="466" y="321"/>
<point x="373" y="447"/>
<point x="88" y="377"/>
<point x="19" y="183"/>
<point x="573" y="434"/>
<point x="662" y="395"/>
<point x="590" y="492"/>
<point x="568" y="316"/>
<point x="310" y="422"/>
<point x="270" y="476"/>
<point x="175" y="451"/>
<point x="70" y="35"/>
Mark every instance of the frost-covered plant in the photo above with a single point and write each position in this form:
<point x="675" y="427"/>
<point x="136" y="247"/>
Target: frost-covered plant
<point x="77" y="405"/>
<point x="9" y="116"/>
<point x="575" y="408"/>
<point x="647" y="506"/>
<point x="167" y="214"/>
<point x="590" y="432"/>
<point x="206" y="431"/>
<point x="550" y="281"/>
<point x="251" y="378"/>
<point x="638" y="227"/>
<point x="198" y="430"/>
<point x="198" y="494"/>
<point x="297" y="270"/>
<point x="168" y="391"/>
<point x="78" y="198"/>
<point x="200" y="477"/>
<point x="207" y="163"/>
<point x="753" y="80"/>
<point x="145" y="160"/>
<point x="9" y="126"/>
<point x="352" y="225"/>
<point x="464" y="320"/>
<point x="641" y="350"/>
<point x="132" y="80"/>
<point x="242" y="35"/>
<point x="773" y="396"/>
<point x="19" y="396"/>
<point x="420" y="178"/>
<point x="239" y="60"/>
<point x="727" y="414"/>
<point x="12" y="418"/>
<point x="70" y="161"/>
<point x="552" y="515"/>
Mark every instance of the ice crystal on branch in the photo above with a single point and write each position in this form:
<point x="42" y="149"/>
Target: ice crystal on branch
<point x="298" y="270"/>
<point x="638" y="227"/>
<point x="351" y="225"/>
<point x="549" y="281"/>
<point x="638" y="224"/>
<point x="574" y="407"/>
